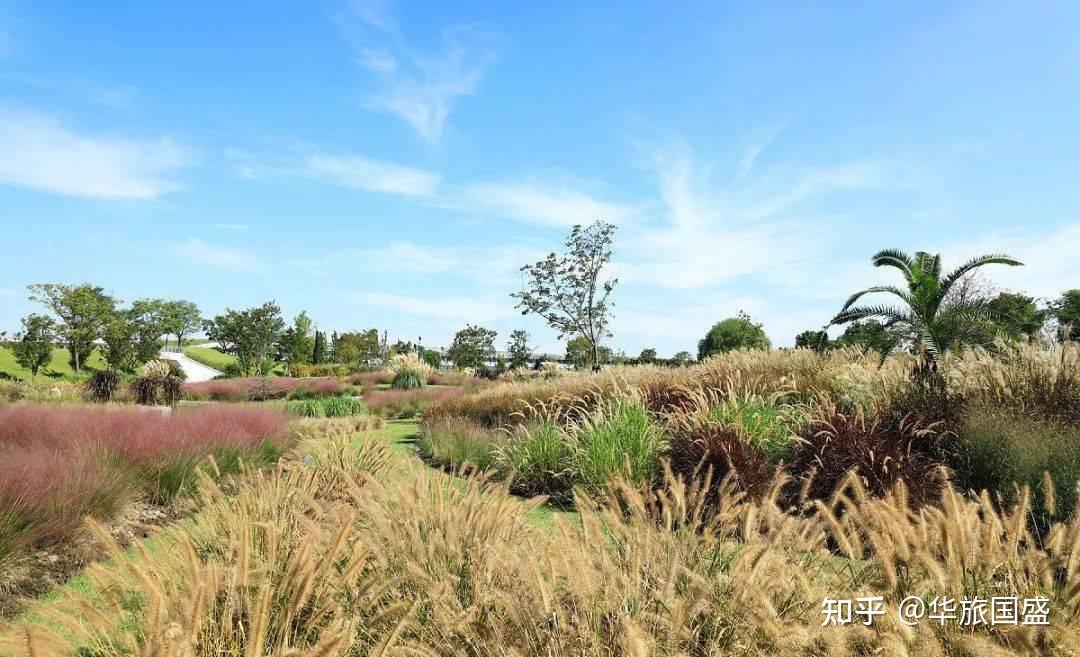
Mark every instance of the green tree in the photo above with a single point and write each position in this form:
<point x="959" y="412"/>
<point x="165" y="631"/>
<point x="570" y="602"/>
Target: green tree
<point x="120" y="338"/>
<point x="681" y="358"/>
<point x="251" y="334"/>
<point x="472" y="346"/>
<point x="1018" y="315"/>
<point x="579" y="353"/>
<point x="33" y="346"/>
<point x="358" y="348"/>
<point x="738" y="332"/>
<point x="518" y="348"/>
<point x="297" y="343"/>
<point x="432" y="358"/>
<point x="319" y="352"/>
<point x="565" y="289"/>
<point x="647" y="356"/>
<point x="179" y="318"/>
<point x="932" y="321"/>
<point x="83" y="311"/>
<point x="146" y="313"/>
<point x="1066" y="311"/>
<point x="816" y="340"/>
<point x="869" y="335"/>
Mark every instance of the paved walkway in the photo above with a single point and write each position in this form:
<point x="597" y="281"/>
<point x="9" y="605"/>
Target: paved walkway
<point x="195" y="371"/>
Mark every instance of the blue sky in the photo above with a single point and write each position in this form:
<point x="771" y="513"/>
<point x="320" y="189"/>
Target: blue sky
<point x="392" y="165"/>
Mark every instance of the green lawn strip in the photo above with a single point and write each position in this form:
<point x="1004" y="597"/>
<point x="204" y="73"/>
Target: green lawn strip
<point x="210" y="357"/>
<point x="219" y="360"/>
<point x="403" y="434"/>
<point x="58" y="366"/>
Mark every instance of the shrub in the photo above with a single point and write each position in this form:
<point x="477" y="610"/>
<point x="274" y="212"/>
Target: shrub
<point x="330" y="370"/>
<point x="999" y="453"/>
<point x="712" y="456"/>
<point x="145" y="389"/>
<point x="618" y="439"/>
<point x="260" y="388"/>
<point x="102" y="385"/>
<point x="878" y="449"/>
<point x="458" y="443"/>
<point x="408" y="380"/>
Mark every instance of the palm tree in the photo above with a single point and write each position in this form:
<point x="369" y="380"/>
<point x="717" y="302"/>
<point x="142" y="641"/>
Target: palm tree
<point x="931" y="319"/>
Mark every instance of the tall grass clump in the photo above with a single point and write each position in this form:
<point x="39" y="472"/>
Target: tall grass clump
<point x="458" y="443"/>
<point x="618" y="439"/>
<point x="408" y="380"/>
<point x="539" y="459"/>
<point x="1004" y="454"/>
<point x="326" y="407"/>
<point x="389" y="561"/>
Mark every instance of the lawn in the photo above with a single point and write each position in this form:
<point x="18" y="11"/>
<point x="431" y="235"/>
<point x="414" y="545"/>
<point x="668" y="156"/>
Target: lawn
<point x="219" y="360"/>
<point x="210" y="357"/>
<point x="58" y="366"/>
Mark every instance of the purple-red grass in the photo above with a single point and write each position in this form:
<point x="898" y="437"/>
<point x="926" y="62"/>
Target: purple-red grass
<point x="253" y="388"/>
<point x="60" y="463"/>
<point x="406" y="403"/>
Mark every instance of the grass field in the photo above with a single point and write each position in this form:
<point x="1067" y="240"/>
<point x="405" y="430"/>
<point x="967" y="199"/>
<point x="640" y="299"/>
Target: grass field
<point x="58" y="366"/>
<point x="214" y="358"/>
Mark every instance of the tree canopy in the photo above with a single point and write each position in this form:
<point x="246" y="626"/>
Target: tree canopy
<point x="83" y="311"/>
<point x="33" y="346"/>
<point x="928" y="317"/>
<point x="472" y="346"/>
<point x="733" y="333"/>
<point x="565" y="289"/>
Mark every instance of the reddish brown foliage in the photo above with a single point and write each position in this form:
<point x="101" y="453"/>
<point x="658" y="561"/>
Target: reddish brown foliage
<point x="246" y="389"/>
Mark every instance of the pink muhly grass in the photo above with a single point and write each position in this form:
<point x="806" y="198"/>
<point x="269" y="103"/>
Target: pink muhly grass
<point x="60" y="463"/>
<point x="243" y="388"/>
<point x="140" y="435"/>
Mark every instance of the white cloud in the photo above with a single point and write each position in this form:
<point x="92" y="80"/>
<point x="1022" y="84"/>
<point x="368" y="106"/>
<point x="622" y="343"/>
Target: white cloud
<point x="359" y="172"/>
<point x="41" y="153"/>
<point x="218" y="256"/>
<point x="549" y="205"/>
<point x="377" y="60"/>
<point x="375" y="13"/>
<point x="493" y="264"/>
<point x="419" y="86"/>
<point x="464" y="309"/>
<point x="713" y="231"/>
<point x="1051" y="265"/>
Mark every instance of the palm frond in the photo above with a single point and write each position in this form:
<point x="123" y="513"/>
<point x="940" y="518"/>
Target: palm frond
<point x="894" y="258"/>
<point x="889" y="313"/>
<point x="975" y="263"/>
<point x="890" y="289"/>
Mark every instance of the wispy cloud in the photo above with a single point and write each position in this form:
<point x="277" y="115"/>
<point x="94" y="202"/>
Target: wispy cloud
<point x="464" y="309"/>
<point x="359" y="172"/>
<point x="714" y="230"/>
<point x="350" y="170"/>
<point x="41" y="153"/>
<point x="491" y="264"/>
<point x="546" y="204"/>
<point x="218" y="256"/>
<point x="420" y="86"/>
